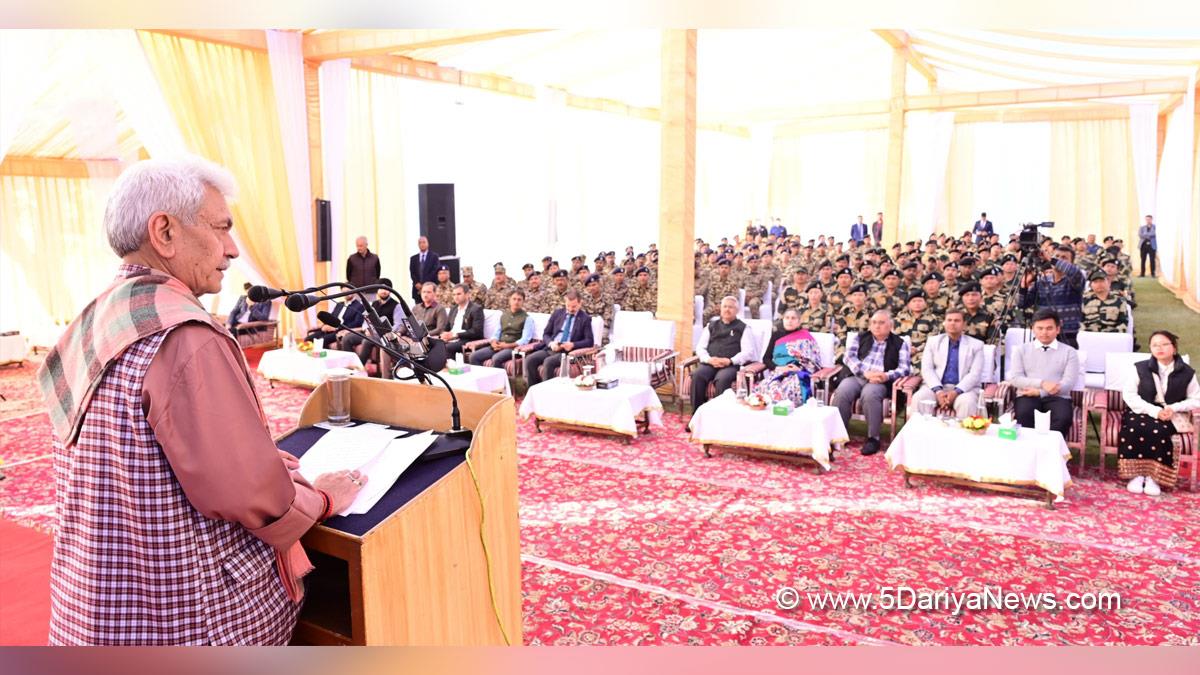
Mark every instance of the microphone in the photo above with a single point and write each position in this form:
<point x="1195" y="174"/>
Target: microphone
<point x="456" y="429"/>
<point x="265" y="293"/>
<point x="298" y="302"/>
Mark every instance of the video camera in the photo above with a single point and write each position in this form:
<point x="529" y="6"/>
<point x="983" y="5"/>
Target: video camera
<point x="1029" y="238"/>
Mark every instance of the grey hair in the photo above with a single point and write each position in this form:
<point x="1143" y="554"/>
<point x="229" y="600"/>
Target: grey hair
<point x="174" y="185"/>
<point x="730" y="297"/>
<point x="884" y="313"/>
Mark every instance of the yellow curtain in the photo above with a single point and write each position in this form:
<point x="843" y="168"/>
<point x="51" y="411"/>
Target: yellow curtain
<point x="49" y="226"/>
<point x="374" y="187"/>
<point x="821" y="182"/>
<point x="1092" y="188"/>
<point x="224" y="101"/>
<point x="959" y="196"/>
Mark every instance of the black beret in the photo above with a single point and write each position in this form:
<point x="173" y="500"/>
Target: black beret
<point x="916" y="293"/>
<point x="846" y="271"/>
<point x="534" y="273"/>
<point x="1098" y="274"/>
<point x="643" y="270"/>
<point x="547" y="259"/>
<point x="993" y="271"/>
<point x="824" y="264"/>
<point x="527" y="266"/>
<point x="858" y="288"/>
<point x="971" y="287"/>
<point x="443" y="267"/>
<point x="618" y="270"/>
<point x="592" y="279"/>
<point x="724" y="262"/>
<point x="891" y="273"/>
<point x="560" y="273"/>
<point x="910" y="265"/>
<point x="815" y="284"/>
<point x="934" y="276"/>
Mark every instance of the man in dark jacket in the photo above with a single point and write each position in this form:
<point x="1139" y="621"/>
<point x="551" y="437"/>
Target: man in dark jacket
<point x="465" y="319"/>
<point x="362" y="267"/>
<point x="873" y="361"/>
<point x="422" y="267"/>
<point x="568" y="329"/>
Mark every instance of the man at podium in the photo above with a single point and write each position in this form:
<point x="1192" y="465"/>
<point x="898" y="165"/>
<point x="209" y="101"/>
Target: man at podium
<point x="179" y="519"/>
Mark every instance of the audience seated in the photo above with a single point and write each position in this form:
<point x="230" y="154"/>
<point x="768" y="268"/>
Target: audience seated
<point x="952" y="369"/>
<point x="792" y="356"/>
<point x="873" y="362"/>
<point x="726" y="344"/>
<point x="568" y="329"/>
<point x="465" y="321"/>
<point x="516" y="329"/>
<point x="1044" y="372"/>
<point x="349" y="311"/>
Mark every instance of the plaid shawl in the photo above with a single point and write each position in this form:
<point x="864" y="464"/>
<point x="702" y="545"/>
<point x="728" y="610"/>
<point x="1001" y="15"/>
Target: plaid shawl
<point x="139" y="303"/>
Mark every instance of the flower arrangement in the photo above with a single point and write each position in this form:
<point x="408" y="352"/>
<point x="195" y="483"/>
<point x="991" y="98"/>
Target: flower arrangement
<point x="756" y="402"/>
<point x="976" y="425"/>
<point x="586" y="382"/>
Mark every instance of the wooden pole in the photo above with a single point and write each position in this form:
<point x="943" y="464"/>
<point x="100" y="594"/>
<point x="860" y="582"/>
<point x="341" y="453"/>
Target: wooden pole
<point x="677" y="188"/>
<point x="895" y="155"/>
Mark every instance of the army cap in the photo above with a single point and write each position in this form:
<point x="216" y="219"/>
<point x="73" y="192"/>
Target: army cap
<point x="916" y="293"/>
<point x="592" y="279"/>
<point x="933" y="276"/>
<point x="560" y="273"/>
<point x="892" y="273"/>
<point x="969" y="288"/>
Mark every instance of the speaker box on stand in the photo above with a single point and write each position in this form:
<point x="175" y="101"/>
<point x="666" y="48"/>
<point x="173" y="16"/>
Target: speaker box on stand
<point x="437" y="217"/>
<point x="324" y="231"/>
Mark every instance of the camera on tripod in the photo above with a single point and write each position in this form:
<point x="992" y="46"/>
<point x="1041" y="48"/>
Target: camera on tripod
<point x="1029" y="238"/>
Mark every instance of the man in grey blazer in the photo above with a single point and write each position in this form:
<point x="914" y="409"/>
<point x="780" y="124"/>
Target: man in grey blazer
<point x="1044" y="372"/>
<point x="952" y="367"/>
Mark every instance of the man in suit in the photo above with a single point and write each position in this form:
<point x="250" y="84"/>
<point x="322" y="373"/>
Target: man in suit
<point x="726" y="344"/>
<point x="873" y="361"/>
<point x="465" y="319"/>
<point x="858" y="231"/>
<point x="983" y="228"/>
<point x="1044" y="372"/>
<point x="877" y="228"/>
<point x="422" y="266"/>
<point x="349" y="311"/>
<point x="952" y="367"/>
<point x="568" y="329"/>
<point x="246" y="310"/>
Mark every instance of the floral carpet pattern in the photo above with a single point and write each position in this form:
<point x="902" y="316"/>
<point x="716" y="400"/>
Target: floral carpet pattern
<point x="652" y="543"/>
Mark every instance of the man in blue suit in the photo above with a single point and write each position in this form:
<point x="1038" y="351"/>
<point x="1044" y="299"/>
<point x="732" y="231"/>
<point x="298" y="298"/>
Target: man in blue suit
<point x="858" y="231"/>
<point x="422" y="267"/>
<point x="983" y="228"/>
<point x="349" y="312"/>
<point x="246" y="310"/>
<point x="569" y="328"/>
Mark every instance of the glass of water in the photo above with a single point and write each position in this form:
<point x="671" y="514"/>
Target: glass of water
<point x="337" y="380"/>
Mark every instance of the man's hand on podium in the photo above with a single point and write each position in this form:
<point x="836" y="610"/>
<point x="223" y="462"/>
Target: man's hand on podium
<point x="341" y="486"/>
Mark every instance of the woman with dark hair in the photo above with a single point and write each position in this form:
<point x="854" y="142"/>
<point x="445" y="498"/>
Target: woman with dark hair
<point x="1159" y="396"/>
<point x="792" y="356"/>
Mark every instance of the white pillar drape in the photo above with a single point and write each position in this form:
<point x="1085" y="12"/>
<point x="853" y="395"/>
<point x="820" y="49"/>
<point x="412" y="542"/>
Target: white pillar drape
<point x="24" y="55"/>
<point x="334" y="77"/>
<point x="1173" y="201"/>
<point x="284" y="48"/>
<point x="927" y="144"/>
<point x="762" y="149"/>
<point x="1143" y="135"/>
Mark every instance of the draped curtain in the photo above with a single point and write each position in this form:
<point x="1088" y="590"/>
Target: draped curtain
<point x="1143" y="142"/>
<point x="1177" y="236"/>
<point x="1092" y="182"/>
<point x="1003" y="169"/>
<point x="334" y="77"/>
<point x="927" y="139"/>
<point x="223" y="100"/>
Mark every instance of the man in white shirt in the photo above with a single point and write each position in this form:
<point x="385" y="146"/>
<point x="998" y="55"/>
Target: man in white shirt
<point x="726" y="344"/>
<point x="952" y="367"/>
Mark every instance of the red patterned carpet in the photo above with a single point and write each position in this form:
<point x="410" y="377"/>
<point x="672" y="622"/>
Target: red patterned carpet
<point x="653" y="543"/>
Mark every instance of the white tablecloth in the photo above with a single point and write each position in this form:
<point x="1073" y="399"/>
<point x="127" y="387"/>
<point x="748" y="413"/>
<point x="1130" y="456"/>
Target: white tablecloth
<point x="559" y="400"/>
<point x="297" y="367"/>
<point x="809" y="430"/>
<point x="480" y="378"/>
<point x="927" y="446"/>
<point x="13" y="348"/>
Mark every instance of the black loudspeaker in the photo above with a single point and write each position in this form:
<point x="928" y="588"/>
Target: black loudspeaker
<point x="437" y="216"/>
<point x="452" y="264"/>
<point x="324" y="231"/>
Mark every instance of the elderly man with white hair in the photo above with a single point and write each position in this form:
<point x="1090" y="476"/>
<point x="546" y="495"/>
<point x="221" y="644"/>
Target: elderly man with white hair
<point x="874" y="360"/>
<point x="179" y="519"/>
<point x="726" y="344"/>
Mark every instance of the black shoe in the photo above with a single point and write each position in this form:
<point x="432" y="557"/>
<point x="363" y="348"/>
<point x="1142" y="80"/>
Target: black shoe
<point x="870" y="447"/>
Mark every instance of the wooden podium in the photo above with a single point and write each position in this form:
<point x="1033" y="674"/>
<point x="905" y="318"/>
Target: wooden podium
<point x="419" y="576"/>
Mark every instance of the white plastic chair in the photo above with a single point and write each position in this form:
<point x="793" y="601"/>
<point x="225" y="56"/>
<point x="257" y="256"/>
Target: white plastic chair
<point x="491" y="323"/>
<point x="1098" y="346"/>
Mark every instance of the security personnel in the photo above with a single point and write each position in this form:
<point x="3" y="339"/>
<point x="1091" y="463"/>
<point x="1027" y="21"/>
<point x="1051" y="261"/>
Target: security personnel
<point x="555" y="296"/>
<point x="642" y="297"/>
<point x="815" y="316"/>
<point x="535" y="295"/>
<point x="994" y="294"/>
<point x="444" y="289"/>
<point x="936" y="301"/>
<point x="979" y="322"/>
<point x="616" y="286"/>
<point x="916" y="324"/>
<point x="755" y="283"/>
<point x="502" y="287"/>
<point x="854" y="316"/>
<point x="476" y="291"/>
<point x="598" y="303"/>
<point x="1103" y="310"/>
<point x="837" y="298"/>
<point x="825" y="276"/>
<point x="890" y="297"/>
<point x="721" y="286"/>
<point x="866" y="277"/>
<point x="527" y="270"/>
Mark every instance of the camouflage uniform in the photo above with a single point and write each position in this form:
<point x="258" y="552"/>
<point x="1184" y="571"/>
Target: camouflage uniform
<point x="797" y="300"/>
<point x="815" y="319"/>
<point x="445" y="294"/>
<point x="497" y="295"/>
<point x="978" y="324"/>
<point x="873" y="286"/>
<point x="535" y="301"/>
<point x="943" y="301"/>
<point x="616" y="293"/>
<point x="600" y="306"/>
<point x="837" y="299"/>
<point x="847" y="320"/>
<point x="478" y="292"/>
<point x="641" y="299"/>
<point x="994" y="303"/>
<point x="894" y="302"/>
<point x="717" y="289"/>
<point x="755" y="284"/>
<point x="917" y="329"/>
<point x="552" y="298"/>
<point x="1104" y="316"/>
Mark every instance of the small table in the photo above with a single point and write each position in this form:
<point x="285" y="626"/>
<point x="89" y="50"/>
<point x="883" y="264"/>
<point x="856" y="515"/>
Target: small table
<point x="1033" y="465"/>
<point x="808" y="433"/>
<point x="301" y="368"/>
<point x="626" y="410"/>
<point x="13" y="349"/>
<point x="480" y="378"/>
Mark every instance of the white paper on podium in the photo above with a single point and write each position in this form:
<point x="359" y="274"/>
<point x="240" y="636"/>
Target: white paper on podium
<point x="386" y="467"/>
<point x="345" y="449"/>
<point x="1041" y="421"/>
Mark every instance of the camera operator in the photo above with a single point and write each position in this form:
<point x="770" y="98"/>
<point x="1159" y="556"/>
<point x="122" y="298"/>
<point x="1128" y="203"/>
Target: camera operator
<point x="1059" y="286"/>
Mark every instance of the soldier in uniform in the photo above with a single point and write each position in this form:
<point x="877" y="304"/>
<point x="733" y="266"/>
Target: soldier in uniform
<point x="721" y="285"/>
<point x="794" y="295"/>
<point x="771" y="270"/>
<point x="1116" y="284"/>
<point x="476" y="291"/>
<point x="444" y="289"/>
<point x="889" y="298"/>
<point x="931" y="286"/>
<point x="994" y="294"/>
<point x="909" y="281"/>
<point x="916" y="324"/>
<point x="755" y="283"/>
<point x="1103" y="310"/>
<point x="534" y="294"/>
<point x="527" y="270"/>
<point x="616" y="287"/>
<point x="815" y="316"/>
<point x="642" y="297"/>
<point x="502" y="288"/>
<point x="555" y="296"/>
<point x="838" y="297"/>
<point x="598" y="303"/>
<point x="825" y="276"/>
<point x="866" y="277"/>
<point x="979" y="321"/>
<point x="854" y="316"/>
<point x="546" y="261"/>
<point x="950" y="283"/>
<point x="579" y="279"/>
<point x="576" y="264"/>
